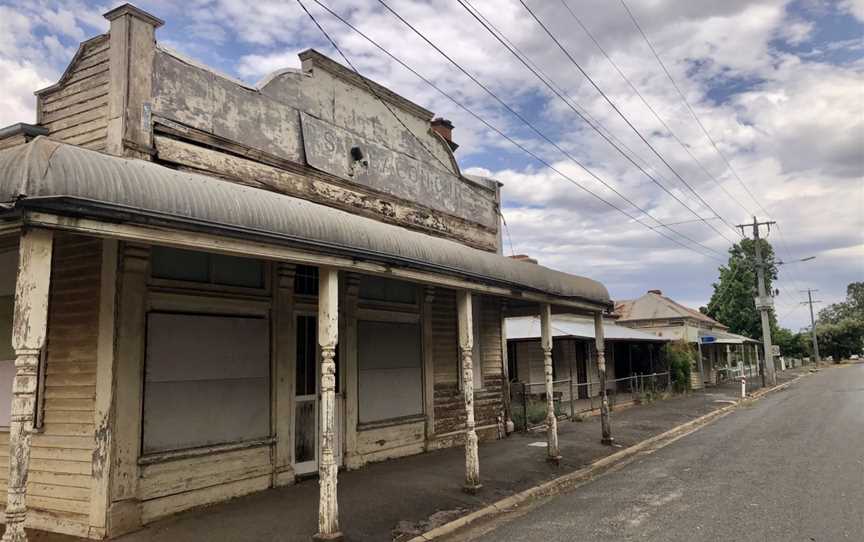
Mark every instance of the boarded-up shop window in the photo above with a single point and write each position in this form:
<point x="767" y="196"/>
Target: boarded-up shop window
<point x="206" y="382"/>
<point x="390" y="370"/>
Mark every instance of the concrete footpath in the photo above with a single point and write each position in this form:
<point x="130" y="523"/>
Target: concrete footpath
<point x="401" y="499"/>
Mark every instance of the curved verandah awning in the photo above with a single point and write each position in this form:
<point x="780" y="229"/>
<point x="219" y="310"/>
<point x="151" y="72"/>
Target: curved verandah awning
<point x="61" y="185"/>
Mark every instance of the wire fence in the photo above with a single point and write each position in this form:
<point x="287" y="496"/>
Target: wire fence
<point x="751" y="373"/>
<point x="571" y="398"/>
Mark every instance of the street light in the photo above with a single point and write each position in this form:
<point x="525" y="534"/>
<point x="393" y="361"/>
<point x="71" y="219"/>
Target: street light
<point x="807" y="259"/>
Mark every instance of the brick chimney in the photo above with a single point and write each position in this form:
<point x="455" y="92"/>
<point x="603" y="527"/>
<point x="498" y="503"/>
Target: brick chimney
<point x="523" y="258"/>
<point x="658" y="292"/>
<point x="444" y="128"/>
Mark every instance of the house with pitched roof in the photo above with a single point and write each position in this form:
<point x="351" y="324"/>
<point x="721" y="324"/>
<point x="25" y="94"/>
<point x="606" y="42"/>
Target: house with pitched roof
<point x="716" y="347"/>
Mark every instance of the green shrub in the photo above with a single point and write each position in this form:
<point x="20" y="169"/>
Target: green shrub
<point x="679" y="358"/>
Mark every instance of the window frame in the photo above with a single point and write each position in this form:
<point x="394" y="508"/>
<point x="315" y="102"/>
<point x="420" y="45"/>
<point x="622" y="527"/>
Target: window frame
<point x="154" y="456"/>
<point x="211" y="303"/>
<point x="213" y="287"/>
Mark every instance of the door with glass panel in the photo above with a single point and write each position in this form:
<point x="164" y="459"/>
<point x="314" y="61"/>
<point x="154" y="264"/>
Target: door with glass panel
<point x="307" y="397"/>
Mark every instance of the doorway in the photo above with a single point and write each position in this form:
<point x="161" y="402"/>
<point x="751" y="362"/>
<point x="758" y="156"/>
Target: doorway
<point x="307" y="398"/>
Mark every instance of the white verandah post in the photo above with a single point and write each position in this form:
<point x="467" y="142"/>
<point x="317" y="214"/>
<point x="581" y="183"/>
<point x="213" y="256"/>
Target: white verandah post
<point x="328" y="335"/>
<point x="552" y="452"/>
<point x="465" y="318"/>
<point x="600" y="341"/>
<point x="29" y="328"/>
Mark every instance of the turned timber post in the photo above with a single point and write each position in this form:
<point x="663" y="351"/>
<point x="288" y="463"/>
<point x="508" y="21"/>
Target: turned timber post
<point x="601" y="372"/>
<point x="552" y="452"/>
<point x="328" y="334"/>
<point x="466" y="348"/>
<point x="29" y="327"/>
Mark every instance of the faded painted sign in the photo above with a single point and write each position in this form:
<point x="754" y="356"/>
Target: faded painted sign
<point x="353" y="158"/>
<point x="199" y="98"/>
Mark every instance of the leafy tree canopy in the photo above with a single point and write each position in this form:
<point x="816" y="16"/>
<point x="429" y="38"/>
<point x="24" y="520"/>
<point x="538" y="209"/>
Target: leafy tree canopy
<point x="732" y="302"/>
<point x="853" y="307"/>
<point x="792" y="345"/>
<point x="842" y="339"/>
<point x="840" y="329"/>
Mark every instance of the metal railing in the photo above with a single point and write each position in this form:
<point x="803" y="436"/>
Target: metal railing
<point x="570" y="398"/>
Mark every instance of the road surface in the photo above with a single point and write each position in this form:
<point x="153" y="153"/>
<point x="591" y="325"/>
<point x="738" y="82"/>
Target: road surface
<point x="789" y="467"/>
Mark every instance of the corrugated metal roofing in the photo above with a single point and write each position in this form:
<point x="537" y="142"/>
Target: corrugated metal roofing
<point x="528" y="327"/>
<point x="43" y="171"/>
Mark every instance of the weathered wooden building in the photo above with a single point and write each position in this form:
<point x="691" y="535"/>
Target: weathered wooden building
<point x="574" y="354"/>
<point x="209" y="289"/>
<point x="715" y="346"/>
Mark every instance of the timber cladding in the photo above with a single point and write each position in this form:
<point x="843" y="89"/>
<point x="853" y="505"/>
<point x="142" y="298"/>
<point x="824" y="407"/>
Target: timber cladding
<point x="488" y="401"/>
<point x="59" y="485"/>
<point x="75" y="110"/>
<point x="173" y="486"/>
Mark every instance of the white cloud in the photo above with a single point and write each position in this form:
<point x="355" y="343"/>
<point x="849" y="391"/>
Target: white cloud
<point x="854" y="7"/>
<point x="17" y="102"/>
<point x="258" y="66"/>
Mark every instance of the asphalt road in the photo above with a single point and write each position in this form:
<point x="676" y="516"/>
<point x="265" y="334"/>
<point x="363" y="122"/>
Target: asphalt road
<point x="787" y="468"/>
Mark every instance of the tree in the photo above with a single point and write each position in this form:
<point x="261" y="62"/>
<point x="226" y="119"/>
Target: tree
<point x="732" y="302"/>
<point x="840" y="329"/>
<point x="679" y="358"/>
<point x="793" y="345"/>
<point x="842" y="339"/>
<point x="853" y="307"/>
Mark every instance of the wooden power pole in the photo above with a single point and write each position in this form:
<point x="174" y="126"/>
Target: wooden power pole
<point x="810" y="302"/>
<point x="764" y="302"/>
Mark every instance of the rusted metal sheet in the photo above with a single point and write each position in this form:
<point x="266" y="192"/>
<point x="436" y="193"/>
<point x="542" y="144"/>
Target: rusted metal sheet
<point x="329" y="148"/>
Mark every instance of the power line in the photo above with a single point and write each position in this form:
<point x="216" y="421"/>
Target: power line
<point x="689" y="107"/>
<point x="627" y="121"/>
<point x="704" y="130"/>
<point x="651" y="108"/>
<point x="474" y="13"/>
<point x="512" y="141"/>
<point x="582" y="112"/>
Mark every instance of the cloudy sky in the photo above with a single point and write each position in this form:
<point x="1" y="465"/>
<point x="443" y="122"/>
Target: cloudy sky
<point x="777" y="85"/>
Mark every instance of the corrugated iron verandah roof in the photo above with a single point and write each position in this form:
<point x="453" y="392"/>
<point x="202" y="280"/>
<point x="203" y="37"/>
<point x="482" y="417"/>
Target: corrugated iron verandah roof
<point x="66" y="179"/>
<point x="528" y="327"/>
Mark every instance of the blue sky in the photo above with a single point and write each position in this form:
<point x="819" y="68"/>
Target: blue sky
<point x="778" y="85"/>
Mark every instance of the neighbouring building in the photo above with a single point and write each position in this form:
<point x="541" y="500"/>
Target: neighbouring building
<point x="210" y="288"/>
<point x="716" y="347"/>
<point x="629" y="352"/>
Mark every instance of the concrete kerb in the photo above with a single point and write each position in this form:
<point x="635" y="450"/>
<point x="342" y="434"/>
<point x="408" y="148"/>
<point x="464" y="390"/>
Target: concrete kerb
<point x="572" y="479"/>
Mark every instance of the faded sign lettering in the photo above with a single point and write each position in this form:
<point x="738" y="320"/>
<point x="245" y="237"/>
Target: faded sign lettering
<point x="328" y="148"/>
